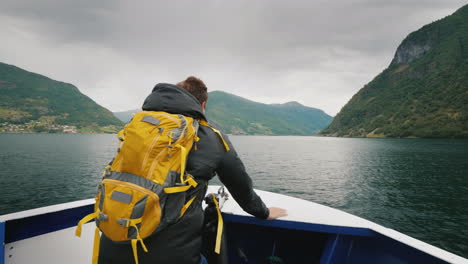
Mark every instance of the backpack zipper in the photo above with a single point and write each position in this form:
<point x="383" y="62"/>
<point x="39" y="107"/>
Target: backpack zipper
<point x="148" y="152"/>
<point x="133" y="186"/>
<point x="153" y="165"/>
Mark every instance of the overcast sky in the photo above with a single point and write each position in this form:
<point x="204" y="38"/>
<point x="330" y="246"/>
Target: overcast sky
<point x="318" y="53"/>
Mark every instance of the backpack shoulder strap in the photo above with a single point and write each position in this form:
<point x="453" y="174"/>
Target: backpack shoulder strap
<point x="220" y="135"/>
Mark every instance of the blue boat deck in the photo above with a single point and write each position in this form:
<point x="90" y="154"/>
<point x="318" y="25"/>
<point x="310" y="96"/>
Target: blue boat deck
<point x="311" y="233"/>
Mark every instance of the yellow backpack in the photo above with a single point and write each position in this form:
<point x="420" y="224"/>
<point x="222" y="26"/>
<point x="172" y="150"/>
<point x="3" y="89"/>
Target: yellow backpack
<point x="142" y="190"/>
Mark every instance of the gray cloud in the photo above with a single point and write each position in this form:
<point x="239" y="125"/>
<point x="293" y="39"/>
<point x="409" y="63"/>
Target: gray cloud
<point x="316" y="52"/>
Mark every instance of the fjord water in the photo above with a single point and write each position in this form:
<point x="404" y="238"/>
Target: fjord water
<point x="416" y="186"/>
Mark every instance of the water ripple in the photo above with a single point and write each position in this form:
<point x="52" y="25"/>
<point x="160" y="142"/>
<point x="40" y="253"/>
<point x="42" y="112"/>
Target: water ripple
<point x="418" y="187"/>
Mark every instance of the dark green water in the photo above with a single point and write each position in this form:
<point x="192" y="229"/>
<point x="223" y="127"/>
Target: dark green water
<point x="416" y="186"/>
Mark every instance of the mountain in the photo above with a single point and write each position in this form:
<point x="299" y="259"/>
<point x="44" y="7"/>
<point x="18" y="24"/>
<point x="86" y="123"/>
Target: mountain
<point x="236" y="115"/>
<point x="422" y="93"/>
<point x="125" y="116"/>
<point x="30" y="102"/>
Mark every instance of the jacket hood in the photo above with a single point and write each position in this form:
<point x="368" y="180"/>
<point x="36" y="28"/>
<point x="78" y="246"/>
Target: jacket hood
<point x="173" y="99"/>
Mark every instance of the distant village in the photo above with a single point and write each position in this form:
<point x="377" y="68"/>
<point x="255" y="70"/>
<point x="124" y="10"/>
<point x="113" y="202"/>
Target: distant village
<point x="37" y="127"/>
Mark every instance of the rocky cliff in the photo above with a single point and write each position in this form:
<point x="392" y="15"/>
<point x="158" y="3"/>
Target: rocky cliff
<point x="423" y="92"/>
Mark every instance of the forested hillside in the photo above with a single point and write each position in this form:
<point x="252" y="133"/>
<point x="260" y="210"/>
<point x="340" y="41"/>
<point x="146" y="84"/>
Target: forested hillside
<point x="236" y="115"/>
<point x="423" y="92"/>
<point x="30" y="102"/>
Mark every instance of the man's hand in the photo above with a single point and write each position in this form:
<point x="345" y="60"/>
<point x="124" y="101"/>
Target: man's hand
<point x="276" y="212"/>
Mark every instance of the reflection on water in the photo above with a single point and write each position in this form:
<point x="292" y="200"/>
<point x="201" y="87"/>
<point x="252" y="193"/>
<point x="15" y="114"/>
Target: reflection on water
<point x="42" y="169"/>
<point x="416" y="186"/>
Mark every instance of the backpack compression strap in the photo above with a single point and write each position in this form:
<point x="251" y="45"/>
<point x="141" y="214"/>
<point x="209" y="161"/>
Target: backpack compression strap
<point x="189" y="180"/>
<point x="219" y="232"/>
<point x="204" y="123"/>
<point x="97" y="236"/>
<point x="183" y="158"/>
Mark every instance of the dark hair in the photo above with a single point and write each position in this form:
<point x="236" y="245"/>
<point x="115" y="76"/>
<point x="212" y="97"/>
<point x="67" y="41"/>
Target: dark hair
<point x="196" y="87"/>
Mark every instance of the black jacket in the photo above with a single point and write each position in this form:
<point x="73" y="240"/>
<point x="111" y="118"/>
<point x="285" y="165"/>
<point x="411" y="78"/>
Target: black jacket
<point x="181" y="243"/>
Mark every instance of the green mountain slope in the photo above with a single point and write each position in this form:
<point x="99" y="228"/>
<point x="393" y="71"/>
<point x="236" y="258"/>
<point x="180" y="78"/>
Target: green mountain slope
<point x="39" y="104"/>
<point x="236" y="115"/>
<point x="125" y="116"/>
<point x="424" y="91"/>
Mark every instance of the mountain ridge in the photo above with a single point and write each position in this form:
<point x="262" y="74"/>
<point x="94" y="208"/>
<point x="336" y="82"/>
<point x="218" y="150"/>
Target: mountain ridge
<point x="234" y="114"/>
<point x="31" y="102"/>
<point x="422" y="93"/>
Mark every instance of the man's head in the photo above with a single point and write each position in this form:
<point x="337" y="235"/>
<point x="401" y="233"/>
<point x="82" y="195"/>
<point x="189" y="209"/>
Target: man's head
<point x="197" y="88"/>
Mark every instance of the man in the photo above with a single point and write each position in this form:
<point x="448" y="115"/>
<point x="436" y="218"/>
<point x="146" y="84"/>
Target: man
<point x="181" y="242"/>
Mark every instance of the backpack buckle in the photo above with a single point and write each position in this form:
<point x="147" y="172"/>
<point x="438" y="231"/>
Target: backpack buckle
<point x="125" y="222"/>
<point x="102" y="216"/>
